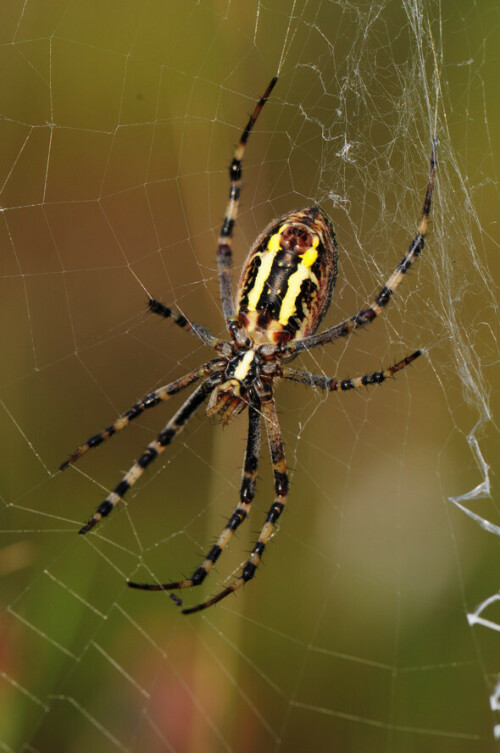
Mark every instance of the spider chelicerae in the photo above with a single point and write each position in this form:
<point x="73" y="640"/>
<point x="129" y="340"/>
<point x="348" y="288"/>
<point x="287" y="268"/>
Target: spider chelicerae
<point x="284" y="291"/>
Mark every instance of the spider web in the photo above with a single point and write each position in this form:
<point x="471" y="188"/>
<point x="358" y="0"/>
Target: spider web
<point x="372" y="624"/>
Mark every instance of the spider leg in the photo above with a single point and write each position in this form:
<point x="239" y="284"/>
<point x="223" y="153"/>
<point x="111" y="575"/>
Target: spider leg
<point x="334" y="385"/>
<point x="155" y="448"/>
<point x="367" y="315"/>
<point x="192" y="327"/>
<point x="149" y="401"/>
<point x="224" y="253"/>
<point x="275" y="441"/>
<point x="247" y="492"/>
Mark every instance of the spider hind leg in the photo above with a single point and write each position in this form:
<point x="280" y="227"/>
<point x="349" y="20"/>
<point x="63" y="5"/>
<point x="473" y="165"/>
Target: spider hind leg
<point x="224" y="251"/>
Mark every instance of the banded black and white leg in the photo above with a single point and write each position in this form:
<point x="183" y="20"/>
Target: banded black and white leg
<point x="224" y="251"/>
<point x="353" y="383"/>
<point x="367" y="315"/>
<point x="155" y="448"/>
<point x="247" y="493"/>
<point x="162" y="394"/>
<point x="273" y="431"/>
<point x="192" y="327"/>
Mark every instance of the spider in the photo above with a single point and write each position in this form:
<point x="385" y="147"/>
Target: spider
<point x="284" y="291"/>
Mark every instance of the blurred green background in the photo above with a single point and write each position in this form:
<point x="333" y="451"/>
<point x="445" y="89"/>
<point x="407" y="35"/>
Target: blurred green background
<point x="118" y="124"/>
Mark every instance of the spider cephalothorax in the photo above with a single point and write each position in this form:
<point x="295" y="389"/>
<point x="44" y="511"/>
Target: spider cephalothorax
<point x="284" y="292"/>
<point x="231" y="396"/>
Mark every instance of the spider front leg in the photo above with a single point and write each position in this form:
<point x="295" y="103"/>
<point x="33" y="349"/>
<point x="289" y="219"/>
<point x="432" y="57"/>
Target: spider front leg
<point x="149" y="401"/>
<point x="155" y="448"/>
<point x="275" y="441"/>
<point x="224" y="252"/>
<point x="247" y="492"/>
<point x="342" y="385"/>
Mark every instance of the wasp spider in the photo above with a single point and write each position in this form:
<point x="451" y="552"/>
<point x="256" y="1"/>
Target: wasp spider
<point x="284" y="291"/>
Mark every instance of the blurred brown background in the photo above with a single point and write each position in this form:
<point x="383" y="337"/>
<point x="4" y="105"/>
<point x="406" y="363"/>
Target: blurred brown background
<point x="118" y="124"/>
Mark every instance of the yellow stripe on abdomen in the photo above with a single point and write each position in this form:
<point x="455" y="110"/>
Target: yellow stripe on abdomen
<point x="303" y="272"/>
<point x="267" y="260"/>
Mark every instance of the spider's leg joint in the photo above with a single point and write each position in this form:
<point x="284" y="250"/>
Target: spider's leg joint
<point x="147" y="457"/>
<point x="102" y="511"/>
<point x="281" y="485"/>
<point x="246" y="495"/>
<point x="199" y="575"/>
<point x="235" y="171"/>
<point x="248" y="571"/>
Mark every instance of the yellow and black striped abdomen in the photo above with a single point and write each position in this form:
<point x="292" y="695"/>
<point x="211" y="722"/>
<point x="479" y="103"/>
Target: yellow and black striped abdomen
<point x="288" y="278"/>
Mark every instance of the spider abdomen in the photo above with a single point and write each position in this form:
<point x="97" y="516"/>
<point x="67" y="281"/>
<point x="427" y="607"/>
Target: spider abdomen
<point x="288" y="278"/>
